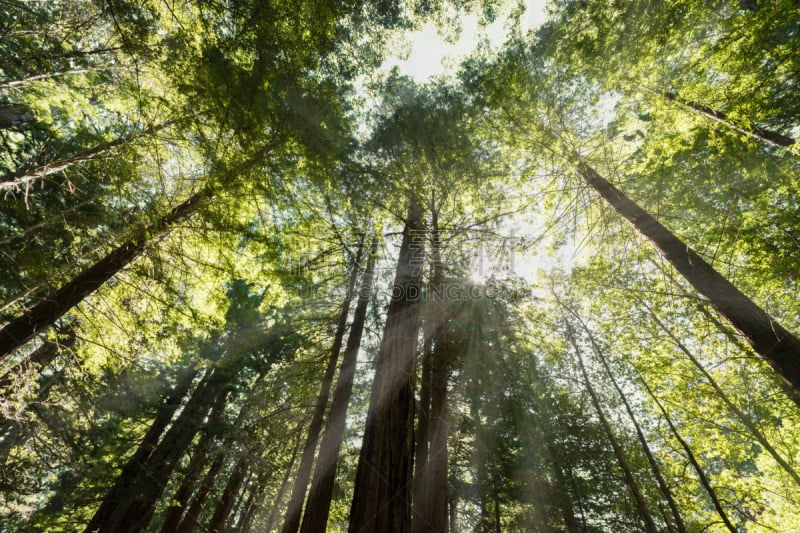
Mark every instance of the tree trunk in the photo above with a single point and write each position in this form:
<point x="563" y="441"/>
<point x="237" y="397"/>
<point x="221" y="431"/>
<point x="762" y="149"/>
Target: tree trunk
<point x="276" y="504"/>
<point x="189" y="521"/>
<point x="630" y="481"/>
<point x="13" y="115"/>
<point x="662" y="484"/>
<point x="743" y="417"/>
<point x="40" y="357"/>
<point x="175" y="511"/>
<point x="38" y="77"/>
<point x="430" y="483"/>
<point x="251" y="504"/>
<point x="130" y="504"/>
<point x="294" y="512"/>
<point x="750" y="129"/>
<point x="23" y="179"/>
<point x="54" y="305"/>
<point x="692" y="459"/>
<point x="382" y="498"/>
<point x="772" y="341"/>
<point x="228" y="498"/>
<point x="318" y="506"/>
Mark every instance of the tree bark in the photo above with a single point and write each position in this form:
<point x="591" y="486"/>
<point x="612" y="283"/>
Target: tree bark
<point x="382" y="498"/>
<point x="40" y="357"/>
<point x="315" y="519"/>
<point x="430" y="482"/>
<point x="228" y="498"/>
<point x="54" y="305"/>
<point x="130" y="503"/>
<point x="172" y="517"/>
<point x="294" y="511"/>
<point x="768" y="338"/>
<point x="23" y="179"/>
<point x="692" y="459"/>
<point x="750" y="129"/>
<point x="13" y="115"/>
<point x="743" y="417"/>
<point x="273" y="513"/>
<point x="189" y="521"/>
<point x="630" y="481"/>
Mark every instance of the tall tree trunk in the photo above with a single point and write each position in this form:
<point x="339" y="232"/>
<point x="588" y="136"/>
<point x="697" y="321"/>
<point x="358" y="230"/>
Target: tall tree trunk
<point x="130" y="504"/>
<point x="135" y="466"/>
<point x="749" y="129"/>
<point x="768" y="338"/>
<point x="276" y="504"/>
<point x="630" y="481"/>
<point x="23" y="179"/>
<point x="692" y="459"/>
<point x="54" y="305"/>
<point x="228" y="498"/>
<point x="662" y="484"/>
<point x="251" y="504"/>
<point x="175" y="512"/>
<point x="189" y="521"/>
<point x="294" y="512"/>
<point x="382" y="498"/>
<point x="430" y="483"/>
<point x="315" y="518"/>
<point x="743" y="417"/>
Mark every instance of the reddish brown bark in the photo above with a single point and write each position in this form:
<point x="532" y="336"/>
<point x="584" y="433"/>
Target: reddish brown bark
<point x="750" y="129"/>
<point x="315" y="519"/>
<point x="768" y="338"/>
<point x="294" y="511"/>
<point x="54" y="305"/>
<point x="382" y="498"/>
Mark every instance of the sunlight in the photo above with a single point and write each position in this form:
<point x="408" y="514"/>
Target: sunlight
<point x="431" y="55"/>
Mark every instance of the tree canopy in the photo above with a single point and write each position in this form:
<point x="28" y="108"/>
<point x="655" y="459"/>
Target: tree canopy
<point x="253" y="280"/>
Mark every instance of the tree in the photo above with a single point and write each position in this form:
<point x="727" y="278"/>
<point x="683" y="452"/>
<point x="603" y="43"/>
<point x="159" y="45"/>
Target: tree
<point x="382" y="492"/>
<point x="315" y="516"/>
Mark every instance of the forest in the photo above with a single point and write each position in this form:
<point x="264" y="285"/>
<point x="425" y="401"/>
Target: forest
<point x="253" y="280"/>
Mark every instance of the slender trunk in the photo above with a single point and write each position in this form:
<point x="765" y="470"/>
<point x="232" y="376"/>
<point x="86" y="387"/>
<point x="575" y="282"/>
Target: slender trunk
<point x="40" y="357"/>
<point x="630" y="481"/>
<point x="454" y="513"/>
<point x="13" y="115"/>
<point x="38" y="77"/>
<point x="228" y="498"/>
<point x="772" y="341"/>
<point x="175" y="511"/>
<point x="749" y="129"/>
<point x="54" y="305"/>
<point x="294" y="511"/>
<point x="11" y="432"/>
<point x="662" y="484"/>
<point x="23" y="179"/>
<point x="318" y="505"/>
<point x="130" y="504"/>
<point x="740" y="415"/>
<point x="382" y="498"/>
<point x="692" y="459"/>
<point x="276" y="504"/>
<point x="562" y="492"/>
<point x="189" y="521"/>
<point x="430" y="502"/>
<point x="423" y="409"/>
<point x="250" y="505"/>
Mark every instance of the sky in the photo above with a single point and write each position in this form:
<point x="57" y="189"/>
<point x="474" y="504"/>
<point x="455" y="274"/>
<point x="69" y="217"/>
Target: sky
<point x="431" y="55"/>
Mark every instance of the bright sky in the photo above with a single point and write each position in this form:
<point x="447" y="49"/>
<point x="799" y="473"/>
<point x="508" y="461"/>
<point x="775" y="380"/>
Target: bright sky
<point x="430" y="55"/>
